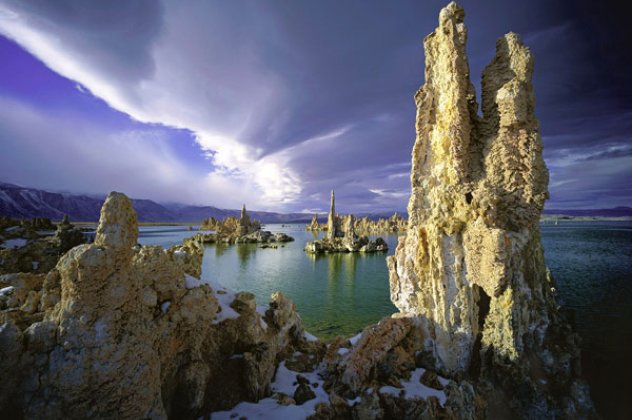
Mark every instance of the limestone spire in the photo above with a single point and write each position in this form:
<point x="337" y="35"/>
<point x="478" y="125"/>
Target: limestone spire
<point x="471" y="267"/>
<point x="332" y="222"/>
<point x="118" y="227"/>
<point x="332" y="206"/>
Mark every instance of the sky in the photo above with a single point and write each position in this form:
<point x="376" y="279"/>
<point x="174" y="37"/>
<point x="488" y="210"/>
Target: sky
<point x="275" y="103"/>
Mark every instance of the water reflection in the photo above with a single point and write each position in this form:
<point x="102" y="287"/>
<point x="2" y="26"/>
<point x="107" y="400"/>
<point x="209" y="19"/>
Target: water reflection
<point x="244" y="251"/>
<point x="220" y="249"/>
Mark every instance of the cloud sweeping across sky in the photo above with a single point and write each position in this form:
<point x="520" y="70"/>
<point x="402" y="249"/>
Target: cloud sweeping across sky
<point x="276" y="103"/>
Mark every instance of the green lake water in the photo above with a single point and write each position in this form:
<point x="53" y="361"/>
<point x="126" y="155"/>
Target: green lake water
<point x="339" y="294"/>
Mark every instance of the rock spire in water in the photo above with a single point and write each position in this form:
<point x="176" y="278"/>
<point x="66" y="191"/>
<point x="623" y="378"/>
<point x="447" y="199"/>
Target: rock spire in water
<point x="471" y="268"/>
<point x="333" y="224"/>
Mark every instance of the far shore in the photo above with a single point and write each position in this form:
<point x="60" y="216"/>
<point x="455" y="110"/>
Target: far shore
<point x="547" y="219"/>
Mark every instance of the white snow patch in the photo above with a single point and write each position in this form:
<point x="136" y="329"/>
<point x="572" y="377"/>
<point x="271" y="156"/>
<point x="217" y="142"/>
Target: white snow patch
<point x="342" y="351"/>
<point x="355" y="339"/>
<point x="14" y="243"/>
<point x="224" y="300"/>
<point x="269" y="408"/>
<point x="236" y="356"/>
<point x="5" y="291"/>
<point x="309" y="337"/>
<point x="179" y="252"/>
<point x="164" y="307"/>
<point x="35" y="265"/>
<point x="190" y="282"/>
<point x="414" y="388"/>
<point x="354" y="401"/>
<point x="12" y="229"/>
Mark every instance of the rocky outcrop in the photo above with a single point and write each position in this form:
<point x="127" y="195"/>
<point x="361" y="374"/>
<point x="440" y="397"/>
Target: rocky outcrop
<point x="210" y="224"/>
<point x="394" y="224"/>
<point x="257" y="237"/>
<point x="117" y="330"/>
<point x="314" y="226"/>
<point x="34" y="246"/>
<point x="341" y="236"/>
<point x="471" y="269"/>
<point x="68" y="236"/>
<point x="234" y="231"/>
<point x="245" y="225"/>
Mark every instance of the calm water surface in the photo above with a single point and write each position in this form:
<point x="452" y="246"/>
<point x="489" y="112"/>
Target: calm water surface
<point x="339" y="294"/>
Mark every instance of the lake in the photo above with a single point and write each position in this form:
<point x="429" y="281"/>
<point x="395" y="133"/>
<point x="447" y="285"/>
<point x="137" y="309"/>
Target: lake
<point x="339" y="294"/>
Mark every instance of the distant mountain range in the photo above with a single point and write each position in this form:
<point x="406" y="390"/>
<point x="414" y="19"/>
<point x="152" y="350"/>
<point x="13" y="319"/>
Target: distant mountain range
<point x="25" y="203"/>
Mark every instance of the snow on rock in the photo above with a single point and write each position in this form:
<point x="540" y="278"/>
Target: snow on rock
<point x="413" y="388"/>
<point x="269" y="408"/>
<point x="355" y="339"/>
<point x="190" y="282"/>
<point x="5" y="291"/>
<point x="224" y="298"/>
<point x="164" y="307"/>
<point x="342" y="351"/>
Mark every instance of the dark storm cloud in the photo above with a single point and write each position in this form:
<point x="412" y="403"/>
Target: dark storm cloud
<point x="297" y="98"/>
<point x="114" y="35"/>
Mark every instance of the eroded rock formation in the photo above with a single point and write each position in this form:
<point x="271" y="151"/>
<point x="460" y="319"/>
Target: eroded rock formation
<point x="116" y="330"/>
<point x="471" y="268"/>
<point x="341" y="236"/>
<point x="394" y="224"/>
<point x="35" y="246"/>
<point x="333" y="221"/>
<point x="314" y="226"/>
<point x="234" y="231"/>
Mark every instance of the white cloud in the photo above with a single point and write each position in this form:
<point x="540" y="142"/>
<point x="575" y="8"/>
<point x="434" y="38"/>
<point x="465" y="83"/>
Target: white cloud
<point x="186" y="89"/>
<point x="40" y="150"/>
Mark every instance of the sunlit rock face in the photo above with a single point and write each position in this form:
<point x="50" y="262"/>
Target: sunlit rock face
<point x="116" y="330"/>
<point x="471" y="269"/>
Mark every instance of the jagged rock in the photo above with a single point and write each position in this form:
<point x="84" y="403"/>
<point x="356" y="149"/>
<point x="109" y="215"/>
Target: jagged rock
<point x="210" y="224"/>
<point x="395" y="224"/>
<point x="259" y="237"/>
<point x="471" y="267"/>
<point x="373" y="346"/>
<point x="429" y="378"/>
<point x="232" y="231"/>
<point x="68" y="236"/>
<point x="333" y="221"/>
<point x="29" y="247"/>
<point x="119" y="330"/>
<point x="314" y="226"/>
<point x="245" y="225"/>
<point x="303" y="393"/>
<point x="341" y="236"/>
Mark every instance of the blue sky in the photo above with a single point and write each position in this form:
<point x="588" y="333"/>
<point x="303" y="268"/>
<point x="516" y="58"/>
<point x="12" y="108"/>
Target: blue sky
<point x="274" y="103"/>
